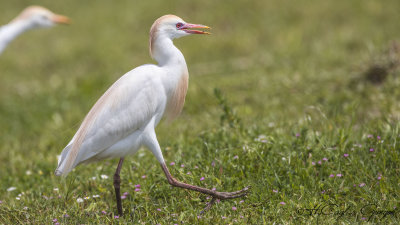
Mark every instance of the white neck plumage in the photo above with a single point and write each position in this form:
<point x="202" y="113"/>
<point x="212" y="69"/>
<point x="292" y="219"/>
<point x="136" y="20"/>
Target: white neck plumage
<point x="165" y="52"/>
<point x="12" y="30"/>
<point x="176" y="82"/>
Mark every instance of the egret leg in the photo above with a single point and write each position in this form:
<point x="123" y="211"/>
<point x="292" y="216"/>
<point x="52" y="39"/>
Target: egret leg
<point x="117" y="182"/>
<point x="215" y="194"/>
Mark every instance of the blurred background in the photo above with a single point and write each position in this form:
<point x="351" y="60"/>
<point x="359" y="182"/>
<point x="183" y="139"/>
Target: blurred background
<point x="272" y="59"/>
<point x="279" y="64"/>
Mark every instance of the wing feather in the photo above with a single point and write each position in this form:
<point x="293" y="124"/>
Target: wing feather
<point x="124" y="108"/>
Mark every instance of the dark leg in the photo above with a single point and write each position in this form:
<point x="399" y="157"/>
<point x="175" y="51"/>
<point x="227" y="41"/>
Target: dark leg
<point x="216" y="195"/>
<point x="117" y="182"/>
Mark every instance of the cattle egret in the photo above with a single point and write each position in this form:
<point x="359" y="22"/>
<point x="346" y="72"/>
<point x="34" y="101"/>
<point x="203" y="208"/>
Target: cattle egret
<point x="125" y="117"/>
<point x="32" y="17"/>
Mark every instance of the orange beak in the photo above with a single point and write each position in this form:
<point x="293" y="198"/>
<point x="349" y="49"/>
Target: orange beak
<point x="60" y="19"/>
<point x="188" y="28"/>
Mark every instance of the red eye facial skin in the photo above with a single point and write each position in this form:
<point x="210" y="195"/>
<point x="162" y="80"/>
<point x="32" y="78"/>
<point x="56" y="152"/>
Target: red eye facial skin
<point x="179" y="25"/>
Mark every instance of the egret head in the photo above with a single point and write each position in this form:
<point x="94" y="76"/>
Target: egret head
<point x="171" y="27"/>
<point x="41" y="17"/>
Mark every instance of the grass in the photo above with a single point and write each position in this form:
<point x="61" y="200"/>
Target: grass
<point x="278" y="99"/>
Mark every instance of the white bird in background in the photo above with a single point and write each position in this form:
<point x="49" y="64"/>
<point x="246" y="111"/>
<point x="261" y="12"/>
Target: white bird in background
<point x="32" y="17"/>
<point x="125" y="117"/>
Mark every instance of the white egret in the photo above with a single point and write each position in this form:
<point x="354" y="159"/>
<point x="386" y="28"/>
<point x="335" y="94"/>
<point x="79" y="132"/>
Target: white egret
<point x="32" y="17"/>
<point x="125" y="117"/>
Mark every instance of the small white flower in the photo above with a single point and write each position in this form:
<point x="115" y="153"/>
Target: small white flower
<point x="55" y="189"/>
<point x="87" y="198"/>
<point x="28" y="172"/>
<point x="283" y="158"/>
<point x="19" y="195"/>
<point x="93" y="178"/>
<point x="96" y="196"/>
<point x="18" y="198"/>
<point x="25" y="208"/>
<point x="261" y="138"/>
<point x="11" y="188"/>
<point x="104" y="176"/>
<point x="79" y="200"/>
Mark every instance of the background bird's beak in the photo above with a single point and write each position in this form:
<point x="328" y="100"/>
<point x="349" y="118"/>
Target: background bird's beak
<point x="60" y="19"/>
<point x="188" y="28"/>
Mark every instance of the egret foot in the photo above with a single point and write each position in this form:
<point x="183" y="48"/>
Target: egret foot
<point x="215" y="194"/>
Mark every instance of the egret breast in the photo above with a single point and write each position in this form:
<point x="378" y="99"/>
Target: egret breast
<point x="177" y="100"/>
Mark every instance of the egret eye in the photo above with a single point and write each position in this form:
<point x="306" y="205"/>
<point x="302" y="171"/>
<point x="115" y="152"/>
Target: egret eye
<point x="179" y="25"/>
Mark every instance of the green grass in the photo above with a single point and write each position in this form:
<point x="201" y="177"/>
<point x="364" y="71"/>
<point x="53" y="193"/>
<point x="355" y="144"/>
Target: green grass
<point x="290" y="92"/>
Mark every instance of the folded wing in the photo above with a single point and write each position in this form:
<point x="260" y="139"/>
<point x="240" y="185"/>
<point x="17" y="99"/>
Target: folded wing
<point x="128" y="105"/>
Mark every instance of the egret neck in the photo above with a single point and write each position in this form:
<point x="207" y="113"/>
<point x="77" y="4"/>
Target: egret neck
<point x="176" y="79"/>
<point x="30" y="18"/>
<point x="12" y="30"/>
